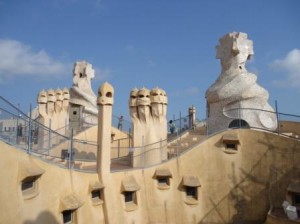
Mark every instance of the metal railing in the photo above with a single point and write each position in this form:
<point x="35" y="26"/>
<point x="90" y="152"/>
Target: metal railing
<point x="280" y="123"/>
<point x="181" y="125"/>
<point x="121" y="123"/>
<point x="141" y="157"/>
<point x="53" y="146"/>
<point x="18" y="129"/>
<point x="59" y="146"/>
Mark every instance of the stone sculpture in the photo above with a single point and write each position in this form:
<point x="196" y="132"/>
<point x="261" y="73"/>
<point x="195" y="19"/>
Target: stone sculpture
<point x="51" y="103"/>
<point x="66" y="98"/>
<point x="81" y="93"/>
<point x="236" y="88"/>
<point x="53" y="108"/>
<point x="53" y="113"/>
<point x="61" y="116"/>
<point x="148" y="111"/>
<point x="42" y="107"/>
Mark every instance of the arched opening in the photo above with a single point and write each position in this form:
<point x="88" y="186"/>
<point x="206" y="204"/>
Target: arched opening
<point x="238" y="123"/>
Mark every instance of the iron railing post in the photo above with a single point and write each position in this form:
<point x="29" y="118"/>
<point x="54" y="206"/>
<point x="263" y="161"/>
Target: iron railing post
<point x="65" y="126"/>
<point x="143" y="151"/>
<point x="29" y="130"/>
<point x="161" y="151"/>
<point x="71" y="149"/>
<point x="206" y="126"/>
<point x="239" y="116"/>
<point x="118" y="148"/>
<point x="49" y="137"/>
<point x="277" y="117"/>
<point x="177" y="146"/>
<point x="129" y="140"/>
<point x="207" y="116"/>
<point x="180" y="122"/>
<point x="17" y="131"/>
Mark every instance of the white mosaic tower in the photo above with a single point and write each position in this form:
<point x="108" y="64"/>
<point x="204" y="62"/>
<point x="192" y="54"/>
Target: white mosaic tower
<point x="235" y="91"/>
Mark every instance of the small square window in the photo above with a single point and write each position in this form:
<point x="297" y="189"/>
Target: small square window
<point x="29" y="187"/>
<point x="191" y="184"/>
<point x="96" y="194"/>
<point x="28" y="183"/>
<point x="163" y="180"/>
<point x="129" y="193"/>
<point x="231" y="143"/>
<point x="129" y="196"/>
<point x="67" y="216"/>
<point x="190" y="188"/>
<point x="130" y="199"/>
<point x="191" y="192"/>
<point x="296" y="199"/>
<point x="163" y="176"/>
<point x="231" y="146"/>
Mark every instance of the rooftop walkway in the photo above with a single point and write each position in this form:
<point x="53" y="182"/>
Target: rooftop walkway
<point x="176" y="145"/>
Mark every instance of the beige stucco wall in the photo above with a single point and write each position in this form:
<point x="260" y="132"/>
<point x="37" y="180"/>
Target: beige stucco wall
<point x="289" y="127"/>
<point x="234" y="187"/>
<point x="87" y="149"/>
<point x="53" y="185"/>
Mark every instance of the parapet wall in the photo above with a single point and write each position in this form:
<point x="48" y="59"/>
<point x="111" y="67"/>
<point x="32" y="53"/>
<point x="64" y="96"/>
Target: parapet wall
<point x="289" y="127"/>
<point x="231" y="186"/>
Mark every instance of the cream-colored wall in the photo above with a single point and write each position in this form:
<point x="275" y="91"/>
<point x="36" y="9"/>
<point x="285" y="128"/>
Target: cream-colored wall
<point x="89" y="150"/>
<point x="90" y="134"/>
<point x="120" y="144"/>
<point x="275" y="220"/>
<point x="289" y="127"/>
<point x="234" y="187"/>
<point x="53" y="185"/>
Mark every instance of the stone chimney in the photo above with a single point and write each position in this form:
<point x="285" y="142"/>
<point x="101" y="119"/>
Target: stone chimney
<point x="105" y="101"/>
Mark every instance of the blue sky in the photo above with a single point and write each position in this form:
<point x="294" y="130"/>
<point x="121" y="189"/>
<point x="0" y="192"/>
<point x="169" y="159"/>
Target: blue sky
<point x="136" y="43"/>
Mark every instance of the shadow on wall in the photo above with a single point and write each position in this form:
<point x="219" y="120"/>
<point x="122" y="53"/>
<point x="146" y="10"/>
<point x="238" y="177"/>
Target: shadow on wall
<point x="259" y="187"/>
<point x="45" y="218"/>
<point x="84" y="155"/>
<point x="250" y="196"/>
